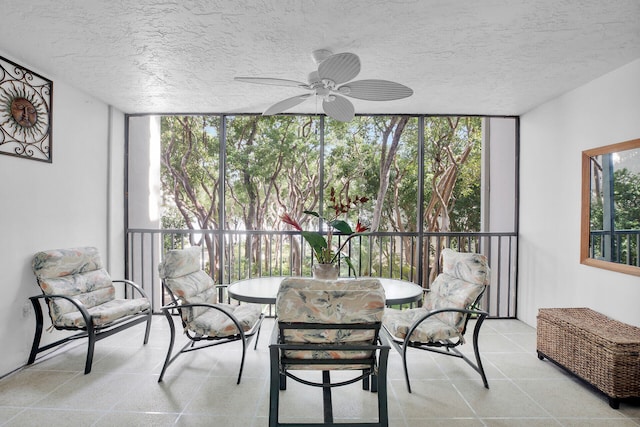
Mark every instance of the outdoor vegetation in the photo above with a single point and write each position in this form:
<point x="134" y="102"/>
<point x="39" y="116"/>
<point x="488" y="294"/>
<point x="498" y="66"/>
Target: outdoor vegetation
<point x="241" y="175"/>
<point x="614" y="229"/>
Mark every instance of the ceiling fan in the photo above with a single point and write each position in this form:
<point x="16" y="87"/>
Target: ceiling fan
<point x="332" y="82"/>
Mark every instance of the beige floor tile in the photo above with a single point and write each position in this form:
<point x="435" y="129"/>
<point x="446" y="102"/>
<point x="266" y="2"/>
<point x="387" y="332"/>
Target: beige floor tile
<point x="171" y="395"/>
<point x="568" y="398"/>
<point x="136" y="419"/>
<point x="221" y="395"/>
<point x="26" y="387"/>
<point x="38" y="417"/>
<point x="524" y="341"/>
<point x="95" y="391"/>
<point x="199" y="388"/>
<point x="599" y="422"/>
<point x="131" y="360"/>
<point x="6" y="413"/>
<point x="524" y="366"/>
<point x="504" y="399"/>
<point x="521" y="422"/>
<point x="433" y="399"/>
<point x="444" y="422"/>
<point x="236" y="420"/>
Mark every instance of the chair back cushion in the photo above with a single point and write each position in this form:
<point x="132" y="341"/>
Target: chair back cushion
<point x="463" y="279"/>
<point x="181" y="273"/>
<point x="74" y="272"/>
<point x="470" y="267"/>
<point x="348" y="301"/>
<point x="308" y="300"/>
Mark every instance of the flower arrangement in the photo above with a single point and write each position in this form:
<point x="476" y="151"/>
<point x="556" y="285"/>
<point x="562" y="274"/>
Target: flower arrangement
<point x="322" y="247"/>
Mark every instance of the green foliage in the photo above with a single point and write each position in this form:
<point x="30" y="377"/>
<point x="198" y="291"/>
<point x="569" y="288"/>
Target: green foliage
<point x="272" y="165"/>
<point x="626" y="190"/>
<point x="627" y="199"/>
<point x="190" y="160"/>
<point x="626" y="216"/>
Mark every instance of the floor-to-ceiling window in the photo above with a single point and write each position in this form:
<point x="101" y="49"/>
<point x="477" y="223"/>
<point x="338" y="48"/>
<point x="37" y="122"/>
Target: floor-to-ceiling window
<point x="223" y="182"/>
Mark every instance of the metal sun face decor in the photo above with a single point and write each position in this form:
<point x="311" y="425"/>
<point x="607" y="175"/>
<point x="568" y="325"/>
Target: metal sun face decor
<point x="25" y="112"/>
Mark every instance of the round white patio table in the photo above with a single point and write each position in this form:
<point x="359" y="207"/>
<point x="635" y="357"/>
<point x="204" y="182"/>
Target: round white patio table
<point x="263" y="290"/>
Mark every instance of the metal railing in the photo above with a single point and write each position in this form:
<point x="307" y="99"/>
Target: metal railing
<point x="229" y="256"/>
<point x="620" y="246"/>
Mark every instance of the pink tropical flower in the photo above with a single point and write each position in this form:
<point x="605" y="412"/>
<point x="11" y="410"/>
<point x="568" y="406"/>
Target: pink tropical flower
<point x="322" y="247"/>
<point x="286" y="218"/>
<point x="360" y="228"/>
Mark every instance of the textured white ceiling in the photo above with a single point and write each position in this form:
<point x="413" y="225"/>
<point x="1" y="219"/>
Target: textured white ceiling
<point x="460" y="57"/>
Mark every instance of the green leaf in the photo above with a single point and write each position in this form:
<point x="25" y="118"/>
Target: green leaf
<point x="341" y="226"/>
<point x="316" y="241"/>
<point x="351" y="267"/>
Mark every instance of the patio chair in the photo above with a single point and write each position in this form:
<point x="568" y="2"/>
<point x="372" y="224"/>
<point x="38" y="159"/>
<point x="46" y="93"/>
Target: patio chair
<point x="80" y="295"/>
<point x="441" y="323"/>
<point x="326" y="325"/>
<point x="205" y="322"/>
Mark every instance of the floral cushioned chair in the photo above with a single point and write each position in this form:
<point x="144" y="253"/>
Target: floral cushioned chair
<point x="81" y="297"/>
<point x="328" y="325"/>
<point x="440" y="324"/>
<point x="204" y="321"/>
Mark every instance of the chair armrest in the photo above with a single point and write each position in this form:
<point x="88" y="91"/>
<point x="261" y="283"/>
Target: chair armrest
<point x="233" y="318"/>
<point x="455" y="309"/>
<point x="88" y="320"/>
<point x="171" y="306"/>
<point x="417" y="323"/>
<point x="132" y="285"/>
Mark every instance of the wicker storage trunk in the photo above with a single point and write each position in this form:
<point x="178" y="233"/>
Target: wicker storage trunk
<point x="597" y="349"/>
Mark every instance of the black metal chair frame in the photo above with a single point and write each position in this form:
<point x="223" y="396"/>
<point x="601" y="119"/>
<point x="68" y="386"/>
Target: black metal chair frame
<point x="377" y="370"/>
<point x="92" y="332"/>
<point x="446" y="347"/>
<point x="198" y="342"/>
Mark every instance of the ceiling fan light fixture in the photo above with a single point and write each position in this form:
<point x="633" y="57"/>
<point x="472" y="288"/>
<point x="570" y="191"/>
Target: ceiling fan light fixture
<point x="329" y="84"/>
<point x="323" y="91"/>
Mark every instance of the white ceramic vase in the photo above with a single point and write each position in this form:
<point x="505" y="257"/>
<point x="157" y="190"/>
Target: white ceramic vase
<point x="325" y="271"/>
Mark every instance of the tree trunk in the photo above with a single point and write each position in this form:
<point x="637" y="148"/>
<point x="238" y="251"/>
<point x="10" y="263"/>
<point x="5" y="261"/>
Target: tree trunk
<point x="387" y="156"/>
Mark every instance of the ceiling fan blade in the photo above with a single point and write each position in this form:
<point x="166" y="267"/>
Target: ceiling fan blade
<point x="284" y="105"/>
<point x="271" y="81"/>
<point x="340" y="108"/>
<point x="340" y="67"/>
<point x="375" y="90"/>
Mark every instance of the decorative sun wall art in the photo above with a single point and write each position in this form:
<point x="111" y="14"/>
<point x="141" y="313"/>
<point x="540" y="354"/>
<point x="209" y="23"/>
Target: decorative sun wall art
<point x="25" y="112"/>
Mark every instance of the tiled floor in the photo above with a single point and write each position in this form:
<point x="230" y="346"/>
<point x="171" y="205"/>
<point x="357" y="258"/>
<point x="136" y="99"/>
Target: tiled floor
<point x="200" y="389"/>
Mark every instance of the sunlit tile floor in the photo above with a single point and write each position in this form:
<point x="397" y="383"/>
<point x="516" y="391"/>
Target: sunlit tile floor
<point x="200" y="388"/>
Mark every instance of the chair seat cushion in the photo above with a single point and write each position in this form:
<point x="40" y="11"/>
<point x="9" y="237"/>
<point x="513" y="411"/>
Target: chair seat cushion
<point x="433" y="329"/>
<point x="213" y="323"/>
<point x="103" y="314"/>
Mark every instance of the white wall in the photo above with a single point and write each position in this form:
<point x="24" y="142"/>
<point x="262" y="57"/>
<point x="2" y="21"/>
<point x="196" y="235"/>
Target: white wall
<point x="144" y="200"/>
<point x="62" y="204"/>
<point x="553" y="135"/>
<point x="77" y="200"/>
